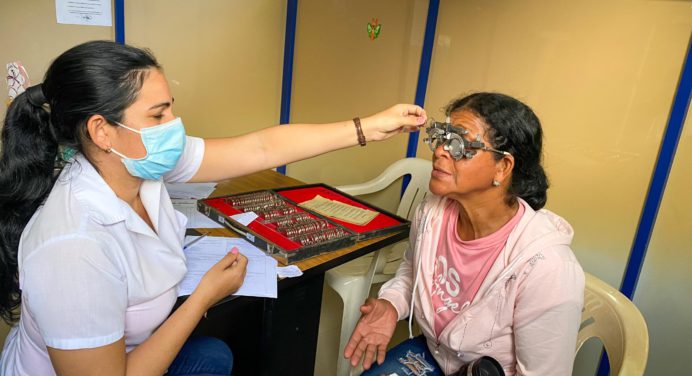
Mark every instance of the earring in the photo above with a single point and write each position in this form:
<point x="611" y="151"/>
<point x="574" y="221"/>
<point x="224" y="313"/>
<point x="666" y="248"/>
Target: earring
<point x="108" y="150"/>
<point x="496" y="183"/>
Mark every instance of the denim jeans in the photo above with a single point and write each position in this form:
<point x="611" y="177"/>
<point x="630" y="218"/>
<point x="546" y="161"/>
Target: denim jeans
<point x="202" y="356"/>
<point x="409" y="358"/>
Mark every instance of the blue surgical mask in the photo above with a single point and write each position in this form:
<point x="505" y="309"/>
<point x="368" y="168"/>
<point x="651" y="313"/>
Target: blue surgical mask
<point x="164" y="145"/>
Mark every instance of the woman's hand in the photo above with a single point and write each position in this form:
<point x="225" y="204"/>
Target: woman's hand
<point x="156" y="353"/>
<point x="394" y="120"/>
<point x="222" y="279"/>
<point x="372" y="333"/>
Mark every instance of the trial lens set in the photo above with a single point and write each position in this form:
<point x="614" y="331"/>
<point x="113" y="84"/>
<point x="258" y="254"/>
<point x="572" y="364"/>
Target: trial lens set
<point x="287" y="219"/>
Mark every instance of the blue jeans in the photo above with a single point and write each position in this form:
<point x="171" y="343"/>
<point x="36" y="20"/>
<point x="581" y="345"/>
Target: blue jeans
<point x="409" y="358"/>
<point x="202" y="356"/>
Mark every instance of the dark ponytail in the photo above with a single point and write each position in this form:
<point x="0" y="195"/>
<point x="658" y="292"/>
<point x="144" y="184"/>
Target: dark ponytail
<point x="26" y="169"/>
<point x="99" y="77"/>
<point x="512" y="127"/>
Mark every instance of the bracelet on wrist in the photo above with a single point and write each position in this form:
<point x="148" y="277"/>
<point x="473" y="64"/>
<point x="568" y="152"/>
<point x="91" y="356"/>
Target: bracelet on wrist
<point x="359" y="131"/>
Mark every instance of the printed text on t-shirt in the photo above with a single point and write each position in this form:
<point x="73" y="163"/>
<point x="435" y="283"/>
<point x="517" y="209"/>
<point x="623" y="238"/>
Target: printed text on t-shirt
<point x="446" y="285"/>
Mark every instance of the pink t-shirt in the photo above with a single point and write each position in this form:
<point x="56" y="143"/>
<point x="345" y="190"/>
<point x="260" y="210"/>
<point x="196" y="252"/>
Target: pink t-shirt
<point x="461" y="266"/>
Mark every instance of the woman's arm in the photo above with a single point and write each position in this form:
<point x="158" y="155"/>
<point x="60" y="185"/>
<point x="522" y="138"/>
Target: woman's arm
<point x="378" y="319"/>
<point x="237" y="156"/>
<point x="547" y="315"/>
<point x="372" y="333"/>
<point x="153" y="356"/>
<point x="398" y="289"/>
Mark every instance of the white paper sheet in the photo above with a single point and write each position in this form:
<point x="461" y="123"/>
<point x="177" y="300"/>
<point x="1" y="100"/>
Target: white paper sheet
<point x="340" y="210"/>
<point x="260" y="279"/>
<point x="84" y="12"/>
<point x="245" y="218"/>
<point x="289" y="271"/>
<point x="190" y="190"/>
<point x="195" y="219"/>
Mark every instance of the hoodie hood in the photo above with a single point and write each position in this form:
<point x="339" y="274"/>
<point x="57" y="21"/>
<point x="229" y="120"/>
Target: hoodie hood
<point x="535" y="230"/>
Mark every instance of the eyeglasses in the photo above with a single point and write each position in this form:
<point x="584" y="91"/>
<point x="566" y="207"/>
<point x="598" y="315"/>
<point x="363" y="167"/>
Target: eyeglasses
<point x="451" y="137"/>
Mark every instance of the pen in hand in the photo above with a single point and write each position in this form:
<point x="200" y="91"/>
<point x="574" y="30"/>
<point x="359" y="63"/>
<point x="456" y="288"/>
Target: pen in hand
<point x="192" y="242"/>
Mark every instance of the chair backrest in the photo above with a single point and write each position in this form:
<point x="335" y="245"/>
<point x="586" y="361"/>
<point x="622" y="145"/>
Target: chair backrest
<point x="611" y="317"/>
<point x="417" y="189"/>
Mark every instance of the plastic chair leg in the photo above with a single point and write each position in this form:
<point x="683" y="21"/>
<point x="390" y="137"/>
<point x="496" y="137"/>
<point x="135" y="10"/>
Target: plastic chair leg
<point x="353" y="295"/>
<point x="353" y="290"/>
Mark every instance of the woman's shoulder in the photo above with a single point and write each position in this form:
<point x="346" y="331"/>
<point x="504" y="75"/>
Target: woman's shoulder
<point x="432" y="205"/>
<point x="63" y="225"/>
<point x="543" y="240"/>
<point x="539" y="229"/>
<point x="73" y="250"/>
<point x="551" y="263"/>
<point x="60" y="214"/>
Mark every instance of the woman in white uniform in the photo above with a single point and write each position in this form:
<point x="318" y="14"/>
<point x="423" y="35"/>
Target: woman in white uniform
<point x="89" y="262"/>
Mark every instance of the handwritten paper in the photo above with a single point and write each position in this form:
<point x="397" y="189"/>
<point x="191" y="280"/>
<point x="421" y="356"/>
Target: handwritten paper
<point x="190" y="190"/>
<point x="339" y="210"/>
<point x="84" y="12"/>
<point x="195" y="219"/>
<point x="260" y="278"/>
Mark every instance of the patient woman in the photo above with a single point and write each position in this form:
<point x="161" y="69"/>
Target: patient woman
<point x="94" y="257"/>
<point x="488" y="271"/>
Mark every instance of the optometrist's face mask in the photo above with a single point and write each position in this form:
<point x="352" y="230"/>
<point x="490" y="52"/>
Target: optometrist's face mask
<point x="453" y="141"/>
<point x="164" y="145"/>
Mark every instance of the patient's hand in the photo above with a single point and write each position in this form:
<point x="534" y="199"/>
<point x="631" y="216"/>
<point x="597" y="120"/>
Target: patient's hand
<point x="372" y="333"/>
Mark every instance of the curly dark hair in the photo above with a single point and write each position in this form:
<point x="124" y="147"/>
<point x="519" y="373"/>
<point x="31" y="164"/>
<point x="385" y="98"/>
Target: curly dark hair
<point x="512" y="127"/>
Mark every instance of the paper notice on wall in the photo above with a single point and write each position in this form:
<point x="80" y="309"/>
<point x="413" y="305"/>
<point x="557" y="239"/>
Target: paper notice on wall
<point x="339" y="210"/>
<point x="84" y="12"/>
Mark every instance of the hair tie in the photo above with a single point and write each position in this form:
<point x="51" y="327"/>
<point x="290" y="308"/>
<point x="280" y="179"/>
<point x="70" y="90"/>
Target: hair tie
<point x="35" y="96"/>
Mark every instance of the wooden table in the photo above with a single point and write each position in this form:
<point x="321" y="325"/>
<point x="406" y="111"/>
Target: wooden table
<point x="278" y="336"/>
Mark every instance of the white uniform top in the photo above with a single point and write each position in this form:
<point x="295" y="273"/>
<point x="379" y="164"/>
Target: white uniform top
<point x="92" y="271"/>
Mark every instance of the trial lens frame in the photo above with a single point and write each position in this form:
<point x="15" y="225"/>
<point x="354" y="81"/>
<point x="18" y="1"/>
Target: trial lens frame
<point x="452" y="137"/>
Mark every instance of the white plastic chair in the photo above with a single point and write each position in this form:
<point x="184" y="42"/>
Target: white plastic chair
<point x="611" y="317"/>
<point x="352" y="281"/>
